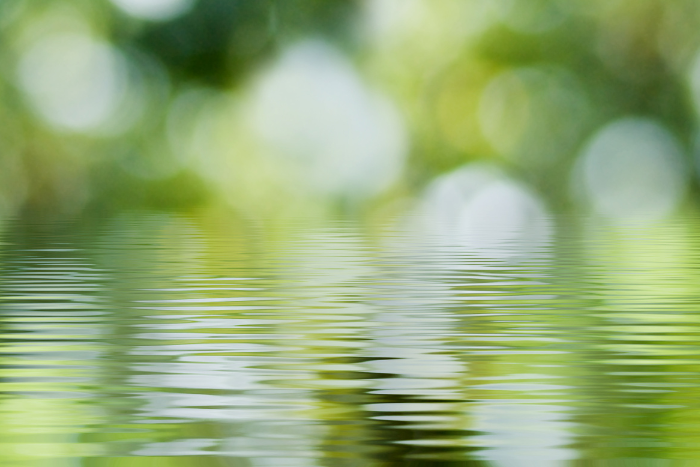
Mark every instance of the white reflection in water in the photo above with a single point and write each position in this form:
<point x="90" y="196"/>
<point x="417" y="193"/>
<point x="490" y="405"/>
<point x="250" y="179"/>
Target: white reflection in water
<point x="50" y="333"/>
<point x="632" y="169"/>
<point x="313" y="111"/>
<point x="184" y="447"/>
<point x="523" y="435"/>
<point x="478" y="207"/>
<point x="73" y="80"/>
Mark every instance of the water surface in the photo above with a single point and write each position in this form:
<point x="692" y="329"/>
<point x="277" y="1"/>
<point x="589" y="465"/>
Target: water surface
<point x="164" y="340"/>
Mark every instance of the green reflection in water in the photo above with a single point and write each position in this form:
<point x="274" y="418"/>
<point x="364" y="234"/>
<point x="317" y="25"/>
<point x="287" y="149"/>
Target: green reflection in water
<point x="159" y="340"/>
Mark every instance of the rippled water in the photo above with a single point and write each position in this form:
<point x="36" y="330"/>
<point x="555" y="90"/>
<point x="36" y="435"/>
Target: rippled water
<point x="157" y="340"/>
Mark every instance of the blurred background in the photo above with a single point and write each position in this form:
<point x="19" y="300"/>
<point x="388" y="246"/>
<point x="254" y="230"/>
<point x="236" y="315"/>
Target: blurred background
<point x="463" y="108"/>
<point x="155" y="317"/>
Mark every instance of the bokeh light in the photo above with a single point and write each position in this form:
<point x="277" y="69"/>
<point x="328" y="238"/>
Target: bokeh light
<point x="74" y="81"/>
<point x="480" y="208"/>
<point x="350" y="107"/>
<point x="315" y="115"/>
<point x="154" y="10"/>
<point x="633" y="168"/>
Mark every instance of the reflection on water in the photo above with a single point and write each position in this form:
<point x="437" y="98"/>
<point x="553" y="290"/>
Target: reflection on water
<point x="159" y="340"/>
